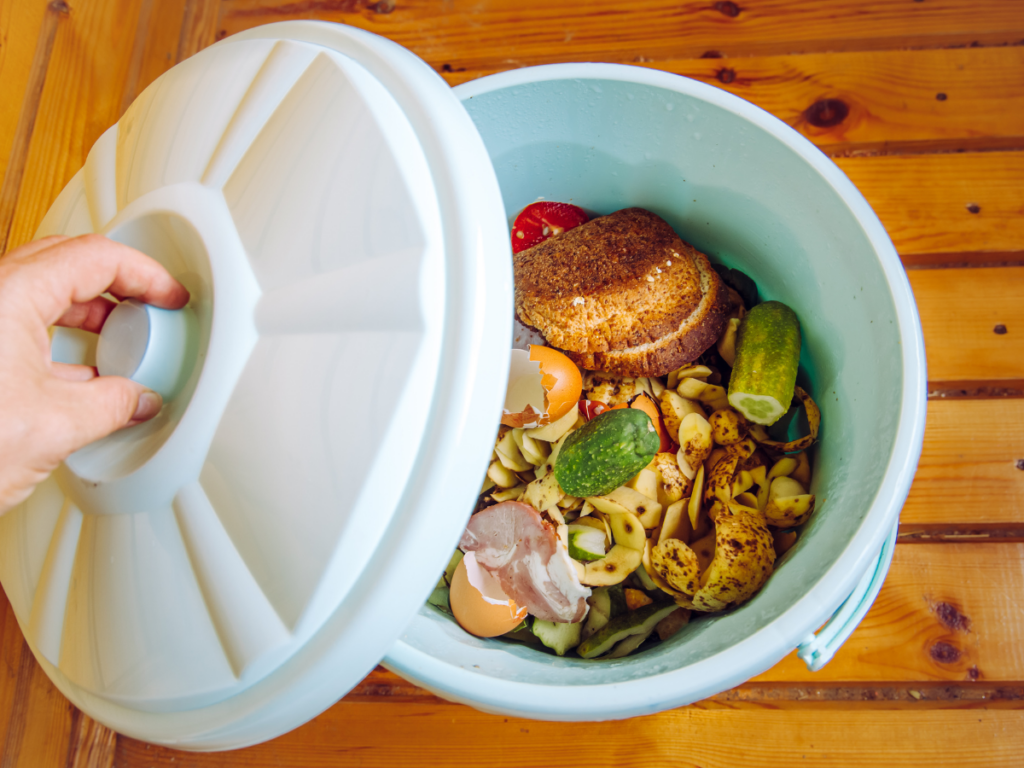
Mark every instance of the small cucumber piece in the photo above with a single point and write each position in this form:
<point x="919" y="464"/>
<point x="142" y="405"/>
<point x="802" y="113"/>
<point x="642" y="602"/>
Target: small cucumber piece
<point x="600" y="612"/>
<point x="586" y="543"/>
<point x="628" y="645"/>
<point x="453" y="563"/>
<point x="439" y="598"/>
<point x="618" y="598"/>
<point x="767" y="356"/>
<point x="558" y="637"/>
<point x="606" y="452"/>
<point x="645" y="579"/>
<point x="638" y="622"/>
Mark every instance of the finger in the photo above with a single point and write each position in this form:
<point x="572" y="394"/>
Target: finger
<point x="70" y="372"/>
<point x="93" y="409"/>
<point x="27" y="250"/>
<point x="78" y="270"/>
<point x="89" y="316"/>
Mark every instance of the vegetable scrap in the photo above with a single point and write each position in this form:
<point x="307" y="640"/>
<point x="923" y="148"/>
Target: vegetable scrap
<point x="610" y="519"/>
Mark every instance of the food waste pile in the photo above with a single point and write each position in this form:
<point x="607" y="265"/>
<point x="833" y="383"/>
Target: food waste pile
<point x="633" y="481"/>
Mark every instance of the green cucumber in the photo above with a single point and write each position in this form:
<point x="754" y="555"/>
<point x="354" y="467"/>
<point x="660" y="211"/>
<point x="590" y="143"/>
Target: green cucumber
<point x="645" y="579"/>
<point x="439" y="598"/>
<point x="767" y="356"/>
<point x="586" y="543"/>
<point x="606" y="452"/>
<point x="558" y="637"/>
<point x="618" y="600"/>
<point x="630" y="644"/>
<point x="638" y="622"/>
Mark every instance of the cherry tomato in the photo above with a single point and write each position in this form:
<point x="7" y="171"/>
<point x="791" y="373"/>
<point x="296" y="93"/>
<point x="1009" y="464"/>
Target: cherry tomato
<point x="592" y="408"/>
<point x="539" y="221"/>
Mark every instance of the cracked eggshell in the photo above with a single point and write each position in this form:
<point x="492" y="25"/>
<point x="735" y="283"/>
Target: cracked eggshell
<point x="480" y="605"/>
<point x="543" y="385"/>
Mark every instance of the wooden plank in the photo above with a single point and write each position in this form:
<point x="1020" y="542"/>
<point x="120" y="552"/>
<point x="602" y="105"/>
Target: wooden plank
<point x="947" y="612"/>
<point x="882" y="100"/>
<point x="945" y="203"/>
<point x="199" y="27"/>
<point x="92" y="744"/>
<point x="82" y="97"/>
<point x="35" y="719"/>
<point x="155" y="47"/>
<point x="973" y="321"/>
<point x="473" y="35"/>
<point x="905" y="100"/>
<point x="969" y="471"/>
<point x="20" y="24"/>
<point x="389" y="734"/>
<point x="17" y="157"/>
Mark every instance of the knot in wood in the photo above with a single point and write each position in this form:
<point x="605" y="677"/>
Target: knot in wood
<point x="729" y="9"/>
<point x="726" y="75"/>
<point x="944" y="653"/>
<point x="826" y="113"/>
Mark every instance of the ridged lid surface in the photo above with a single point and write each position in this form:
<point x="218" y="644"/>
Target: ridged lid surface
<point x="222" y="573"/>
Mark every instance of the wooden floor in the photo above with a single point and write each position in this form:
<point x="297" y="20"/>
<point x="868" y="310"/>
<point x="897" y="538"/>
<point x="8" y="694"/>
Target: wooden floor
<point x="921" y="103"/>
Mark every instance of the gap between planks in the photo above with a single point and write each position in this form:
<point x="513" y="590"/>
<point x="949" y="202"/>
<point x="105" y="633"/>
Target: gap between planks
<point x="472" y="35"/>
<point x="384" y="684"/>
<point x="18" y="157"/>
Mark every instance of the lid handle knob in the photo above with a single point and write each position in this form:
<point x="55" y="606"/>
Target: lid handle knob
<point x="152" y="346"/>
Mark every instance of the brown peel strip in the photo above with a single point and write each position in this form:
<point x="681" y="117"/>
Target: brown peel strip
<point x="813" y="421"/>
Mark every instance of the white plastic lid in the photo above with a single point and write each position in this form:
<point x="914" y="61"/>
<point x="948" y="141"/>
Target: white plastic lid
<point x="226" y="571"/>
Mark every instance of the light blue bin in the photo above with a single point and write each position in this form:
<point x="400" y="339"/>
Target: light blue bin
<point x="754" y="194"/>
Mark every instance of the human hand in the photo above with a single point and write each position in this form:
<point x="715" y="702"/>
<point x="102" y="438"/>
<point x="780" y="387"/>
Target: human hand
<point x="49" y="410"/>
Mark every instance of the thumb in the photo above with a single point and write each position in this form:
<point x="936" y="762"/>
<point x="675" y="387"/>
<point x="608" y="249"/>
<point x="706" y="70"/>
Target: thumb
<point x="94" y="409"/>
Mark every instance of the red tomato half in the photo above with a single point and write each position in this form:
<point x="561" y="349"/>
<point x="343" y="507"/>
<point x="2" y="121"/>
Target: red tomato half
<point x="539" y="221"/>
<point x="592" y="408"/>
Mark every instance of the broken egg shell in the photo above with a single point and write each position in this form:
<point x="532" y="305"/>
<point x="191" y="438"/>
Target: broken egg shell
<point x="543" y="386"/>
<point x="480" y="605"/>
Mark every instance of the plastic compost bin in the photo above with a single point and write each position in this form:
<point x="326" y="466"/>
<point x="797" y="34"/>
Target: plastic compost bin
<point x="223" y="573"/>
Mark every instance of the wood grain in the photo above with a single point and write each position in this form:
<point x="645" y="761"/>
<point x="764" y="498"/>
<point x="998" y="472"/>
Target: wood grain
<point x="482" y="34"/>
<point x="896" y="100"/>
<point x="382" y="683"/>
<point x="198" y="29"/>
<point x="935" y="673"/>
<point x="390" y="734"/>
<point x="155" y="45"/>
<point x="973" y="321"/>
<point x="17" y="157"/>
<point x="968" y="472"/>
<point x="35" y="719"/>
<point x="19" y="32"/>
<point x="947" y="612"/>
<point x="92" y="744"/>
<point x="945" y="203"/>
<point x="82" y="97"/>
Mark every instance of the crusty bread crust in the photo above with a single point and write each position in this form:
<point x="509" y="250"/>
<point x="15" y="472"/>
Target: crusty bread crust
<point x="623" y="294"/>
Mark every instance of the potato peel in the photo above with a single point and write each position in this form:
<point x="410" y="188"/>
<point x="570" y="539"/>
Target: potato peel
<point x="743" y="561"/>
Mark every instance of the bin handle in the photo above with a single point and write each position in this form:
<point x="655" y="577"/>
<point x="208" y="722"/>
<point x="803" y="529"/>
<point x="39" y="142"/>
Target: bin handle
<point x="818" y="649"/>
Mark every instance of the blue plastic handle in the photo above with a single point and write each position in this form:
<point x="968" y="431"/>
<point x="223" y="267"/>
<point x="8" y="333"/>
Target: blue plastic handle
<point x="818" y="649"/>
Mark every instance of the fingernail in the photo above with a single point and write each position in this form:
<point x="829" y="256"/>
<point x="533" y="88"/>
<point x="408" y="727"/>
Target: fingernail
<point x="149" y="406"/>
